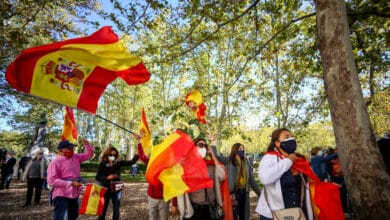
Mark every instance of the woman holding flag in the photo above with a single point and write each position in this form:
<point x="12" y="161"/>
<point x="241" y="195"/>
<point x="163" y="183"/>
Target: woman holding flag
<point x="203" y="198"/>
<point x="108" y="172"/>
<point x="282" y="184"/>
<point x="289" y="182"/>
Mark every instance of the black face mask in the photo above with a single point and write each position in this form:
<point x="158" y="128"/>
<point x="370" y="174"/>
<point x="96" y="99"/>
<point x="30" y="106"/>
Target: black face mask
<point x="241" y="153"/>
<point x="289" y="145"/>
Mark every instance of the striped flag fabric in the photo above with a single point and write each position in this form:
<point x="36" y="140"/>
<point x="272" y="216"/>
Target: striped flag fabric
<point x="178" y="165"/>
<point x="146" y="139"/>
<point x="194" y="100"/>
<point x="93" y="200"/>
<point x="76" y="72"/>
<point x="69" y="131"/>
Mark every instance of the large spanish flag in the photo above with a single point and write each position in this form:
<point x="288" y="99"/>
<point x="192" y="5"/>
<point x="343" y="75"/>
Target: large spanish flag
<point x="69" y="131"/>
<point x="146" y="139"/>
<point x="178" y="165"/>
<point x="93" y="200"/>
<point x="194" y="100"/>
<point x="76" y="72"/>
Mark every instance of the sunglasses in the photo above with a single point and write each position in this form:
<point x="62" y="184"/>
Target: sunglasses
<point x="113" y="155"/>
<point x="201" y="145"/>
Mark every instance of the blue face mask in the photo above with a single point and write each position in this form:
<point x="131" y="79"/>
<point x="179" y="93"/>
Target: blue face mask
<point x="241" y="153"/>
<point x="289" y="145"/>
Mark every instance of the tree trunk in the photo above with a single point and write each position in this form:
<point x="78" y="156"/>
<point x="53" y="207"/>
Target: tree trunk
<point x="365" y="174"/>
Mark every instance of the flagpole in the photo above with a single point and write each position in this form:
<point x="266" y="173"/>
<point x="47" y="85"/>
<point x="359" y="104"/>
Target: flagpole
<point x="98" y="116"/>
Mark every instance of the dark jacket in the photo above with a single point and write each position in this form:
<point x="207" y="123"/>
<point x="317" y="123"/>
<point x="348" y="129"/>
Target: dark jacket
<point x="105" y="170"/>
<point x="8" y="166"/>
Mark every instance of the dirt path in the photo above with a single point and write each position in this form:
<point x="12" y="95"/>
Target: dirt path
<point x="133" y="204"/>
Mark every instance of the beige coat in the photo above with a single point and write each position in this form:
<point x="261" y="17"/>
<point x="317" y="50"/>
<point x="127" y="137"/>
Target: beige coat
<point x="184" y="204"/>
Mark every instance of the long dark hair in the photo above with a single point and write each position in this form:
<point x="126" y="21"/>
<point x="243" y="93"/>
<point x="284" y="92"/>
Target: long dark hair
<point x="107" y="153"/>
<point x="274" y="137"/>
<point x="233" y="153"/>
<point x="196" y="140"/>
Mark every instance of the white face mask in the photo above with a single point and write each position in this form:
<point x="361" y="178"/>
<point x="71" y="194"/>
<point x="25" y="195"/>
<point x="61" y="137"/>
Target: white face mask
<point x="320" y="153"/>
<point x="111" y="158"/>
<point x="202" y="151"/>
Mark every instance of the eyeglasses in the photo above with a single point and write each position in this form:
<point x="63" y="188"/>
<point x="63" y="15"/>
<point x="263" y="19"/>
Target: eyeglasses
<point x="201" y="145"/>
<point x="113" y="155"/>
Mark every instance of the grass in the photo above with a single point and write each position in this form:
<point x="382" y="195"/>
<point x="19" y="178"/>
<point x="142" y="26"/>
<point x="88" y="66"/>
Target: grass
<point x="139" y="178"/>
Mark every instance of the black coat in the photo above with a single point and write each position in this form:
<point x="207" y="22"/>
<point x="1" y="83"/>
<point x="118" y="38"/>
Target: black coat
<point x="105" y="170"/>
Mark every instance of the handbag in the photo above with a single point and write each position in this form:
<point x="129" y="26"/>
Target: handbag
<point x="215" y="210"/>
<point x="117" y="186"/>
<point x="295" y="213"/>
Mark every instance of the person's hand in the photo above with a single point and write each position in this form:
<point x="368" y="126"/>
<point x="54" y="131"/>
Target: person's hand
<point x="211" y="153"/>
<point x="137" y="137"/>
<point x="111" y="177"/>
<point x="76" y="184"/>
<point x="212" y="139"/>
<point x="174" y="210"/>
<point x="85" y="142"/>
<point x="292" y="157"/>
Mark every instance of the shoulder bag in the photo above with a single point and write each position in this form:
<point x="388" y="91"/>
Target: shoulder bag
<point x="295" y="213"/>
<point x="117" y="186"/>
<point x="216" y="211"/>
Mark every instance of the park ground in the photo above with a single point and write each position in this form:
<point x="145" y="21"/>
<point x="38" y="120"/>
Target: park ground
<point x="133" y="204"/>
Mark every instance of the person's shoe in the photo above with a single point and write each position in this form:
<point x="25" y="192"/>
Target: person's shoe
<point x="25" y="205"/>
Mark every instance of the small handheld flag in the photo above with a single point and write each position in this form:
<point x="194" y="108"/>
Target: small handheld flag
<point x="194" y="101"/>
<point x="69" y="131"/>
<point x="146" y="139"/>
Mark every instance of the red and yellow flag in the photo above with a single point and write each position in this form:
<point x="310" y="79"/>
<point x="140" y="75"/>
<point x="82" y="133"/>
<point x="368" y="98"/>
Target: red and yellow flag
<point x="194" y="101"/>
<point x="76" y="72"/>
<point x="325" y="196"/>
<point x="178" y="165"/>
<point x="146" y="139"/>
<point x="69" y="131"/>
<point x="93" y="200"/>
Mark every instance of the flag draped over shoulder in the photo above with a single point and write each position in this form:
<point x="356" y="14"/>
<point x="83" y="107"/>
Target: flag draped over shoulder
<point x="93" y="200"/>
<point x="325" y="196"/>
<point x="226" y="199"/>
<point x="194" y="101"/>
<point x="69" y="131"/>
<point x="178" y="165"/>
<point x="76" y="72"/>
<point x="146" y="139"/>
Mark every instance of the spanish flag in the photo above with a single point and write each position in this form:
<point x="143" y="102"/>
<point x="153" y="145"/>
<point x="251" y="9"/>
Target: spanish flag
<point x="178" y="165"/>
<point x="93" y="200"/>
<point x="146" y="139"/>
<point x="76" y="72"/>
<point x="69" y="131"/>
<point x="194" y="101"/>
<point x="325" y="196"/>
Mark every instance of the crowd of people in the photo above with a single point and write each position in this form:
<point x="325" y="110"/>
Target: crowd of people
<point x="283" y="180"/>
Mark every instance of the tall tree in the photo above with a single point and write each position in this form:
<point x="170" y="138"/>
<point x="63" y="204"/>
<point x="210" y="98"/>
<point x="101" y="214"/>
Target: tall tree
<point x="358" y="150"/>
